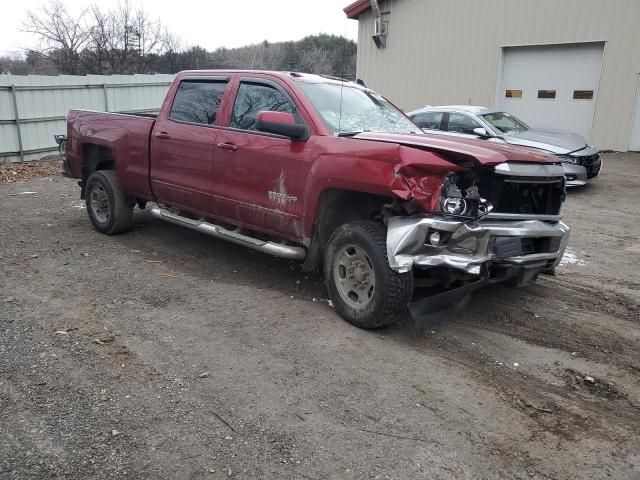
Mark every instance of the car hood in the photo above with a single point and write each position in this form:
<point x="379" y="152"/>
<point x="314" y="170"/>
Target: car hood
<point x="465" y="151"/>
<point x="552" y="140"/>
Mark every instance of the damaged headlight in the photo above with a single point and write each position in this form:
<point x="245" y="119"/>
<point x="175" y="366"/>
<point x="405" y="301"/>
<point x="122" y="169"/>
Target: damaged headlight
<point x="569" y="159"/>
<point x="454" y="206"/>
<point x="462" y="203"/>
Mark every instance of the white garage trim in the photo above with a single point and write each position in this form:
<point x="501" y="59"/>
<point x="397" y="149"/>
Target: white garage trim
<point x="634" y="132"/>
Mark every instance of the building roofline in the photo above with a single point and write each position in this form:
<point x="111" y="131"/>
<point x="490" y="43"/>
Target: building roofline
<point x="354" y="9"/>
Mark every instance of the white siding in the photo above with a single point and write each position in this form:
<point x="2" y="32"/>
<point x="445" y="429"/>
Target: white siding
<point x="43" y="102"/>
<point x="450" y="52"/>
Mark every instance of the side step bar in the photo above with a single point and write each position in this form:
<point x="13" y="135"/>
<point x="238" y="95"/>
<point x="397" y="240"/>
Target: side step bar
<point x="272" y="248"/>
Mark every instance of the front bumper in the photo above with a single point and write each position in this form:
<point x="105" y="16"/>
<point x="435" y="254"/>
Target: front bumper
<point x="588" y="167"/>
<point x="471" y="246"/>
<point x="576" y="175"/>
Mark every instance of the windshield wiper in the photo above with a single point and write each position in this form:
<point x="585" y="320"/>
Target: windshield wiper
<point x="351" y="134"/>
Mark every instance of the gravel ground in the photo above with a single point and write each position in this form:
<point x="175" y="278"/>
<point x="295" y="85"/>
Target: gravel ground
<point x="163" y="353"/>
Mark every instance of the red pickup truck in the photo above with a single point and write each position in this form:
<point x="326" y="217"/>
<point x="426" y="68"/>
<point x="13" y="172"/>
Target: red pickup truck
<point x="330" y="173"/>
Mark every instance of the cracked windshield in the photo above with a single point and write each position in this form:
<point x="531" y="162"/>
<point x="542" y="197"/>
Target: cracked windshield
<point x="350" y="110"/>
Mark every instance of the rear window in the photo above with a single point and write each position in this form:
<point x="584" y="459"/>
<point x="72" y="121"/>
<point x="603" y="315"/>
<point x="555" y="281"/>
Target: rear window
<point x="197" y="101"/>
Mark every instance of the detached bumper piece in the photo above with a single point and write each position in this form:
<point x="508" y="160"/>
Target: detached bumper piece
<point x="493" y="250"/>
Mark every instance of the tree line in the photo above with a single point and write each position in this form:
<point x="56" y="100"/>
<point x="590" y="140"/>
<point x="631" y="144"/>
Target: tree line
<point x="126" y="40"/>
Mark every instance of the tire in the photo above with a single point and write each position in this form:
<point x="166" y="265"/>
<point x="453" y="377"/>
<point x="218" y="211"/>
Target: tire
<point x="367" y="304"/>
<point x="108" y="207"/>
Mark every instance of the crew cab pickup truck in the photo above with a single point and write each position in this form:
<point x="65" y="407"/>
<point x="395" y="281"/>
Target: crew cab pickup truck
<point x="330" y="173"/>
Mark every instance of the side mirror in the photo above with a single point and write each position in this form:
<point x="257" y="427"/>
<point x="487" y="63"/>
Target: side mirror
<point x="281" y="123"/>
<point x="482" y="132"/>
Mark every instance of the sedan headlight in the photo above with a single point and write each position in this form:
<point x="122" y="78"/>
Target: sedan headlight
<point x="569" y="159"/>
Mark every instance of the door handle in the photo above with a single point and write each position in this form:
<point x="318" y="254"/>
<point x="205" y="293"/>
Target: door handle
<point x="162" y="135"/>
<point x="227" y="146"/>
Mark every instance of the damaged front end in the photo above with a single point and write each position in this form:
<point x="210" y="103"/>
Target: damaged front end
<point x="497" y="224"/>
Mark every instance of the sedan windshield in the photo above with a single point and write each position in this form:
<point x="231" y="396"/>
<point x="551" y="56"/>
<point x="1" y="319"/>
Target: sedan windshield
<point x="348" y="110"/>
<point x="505" y="123"/>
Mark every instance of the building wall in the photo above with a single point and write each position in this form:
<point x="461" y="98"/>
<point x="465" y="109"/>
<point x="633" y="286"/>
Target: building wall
<point x="42" y="103"/>
<point x="449" y="51"/>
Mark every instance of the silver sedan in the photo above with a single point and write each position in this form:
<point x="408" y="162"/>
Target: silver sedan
<point x="580" y="161"/>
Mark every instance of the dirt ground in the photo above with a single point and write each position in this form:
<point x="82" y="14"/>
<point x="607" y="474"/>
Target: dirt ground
<point x="163" y="353"/>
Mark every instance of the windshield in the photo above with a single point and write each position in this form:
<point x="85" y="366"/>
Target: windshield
<point x="505" y="123"/>
<point x="349" y="110"/>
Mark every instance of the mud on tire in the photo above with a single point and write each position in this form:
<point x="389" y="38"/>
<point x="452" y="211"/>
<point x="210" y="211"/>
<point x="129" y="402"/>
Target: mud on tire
<point x="108" y="207"/>
<point x="363" y="288"/>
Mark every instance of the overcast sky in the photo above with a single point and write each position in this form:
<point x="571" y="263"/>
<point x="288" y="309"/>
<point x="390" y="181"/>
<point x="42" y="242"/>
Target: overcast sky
<point x="210" y="24"/>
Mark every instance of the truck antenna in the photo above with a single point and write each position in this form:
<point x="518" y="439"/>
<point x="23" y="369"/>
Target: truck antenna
<point x="344" y="57"/>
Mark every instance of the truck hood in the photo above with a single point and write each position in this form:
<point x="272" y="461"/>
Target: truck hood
<point x="555" y="141"/>
<point x="465" y="152"/>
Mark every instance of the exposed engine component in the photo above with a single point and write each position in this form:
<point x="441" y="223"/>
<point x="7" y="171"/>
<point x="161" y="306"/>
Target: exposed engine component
<point x="462" y="203"/>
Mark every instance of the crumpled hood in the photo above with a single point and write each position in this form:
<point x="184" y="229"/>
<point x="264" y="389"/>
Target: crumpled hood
<point x="552" y="140"/>
<point x="462" y="151"/>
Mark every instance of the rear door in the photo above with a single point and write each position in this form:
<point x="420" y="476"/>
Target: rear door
<point x="183" y="142"/>
<point x="261" y="177"/>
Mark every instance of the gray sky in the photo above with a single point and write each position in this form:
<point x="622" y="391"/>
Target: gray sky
<point x="210" y="24"/>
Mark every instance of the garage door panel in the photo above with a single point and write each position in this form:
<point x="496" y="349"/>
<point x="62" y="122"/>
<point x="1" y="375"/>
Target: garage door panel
<point x="560" y="68"/>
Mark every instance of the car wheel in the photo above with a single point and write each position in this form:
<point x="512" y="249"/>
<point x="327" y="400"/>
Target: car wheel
<point x="363" y="288"/>
<point x="108" y="207"/>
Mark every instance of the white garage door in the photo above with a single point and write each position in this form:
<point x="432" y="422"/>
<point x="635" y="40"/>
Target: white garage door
<point x="552" y="86"/>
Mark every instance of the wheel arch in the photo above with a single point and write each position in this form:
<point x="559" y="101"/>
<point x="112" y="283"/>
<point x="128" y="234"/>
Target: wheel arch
<point x="336" y="207"/>
<point x="95" y="157"/>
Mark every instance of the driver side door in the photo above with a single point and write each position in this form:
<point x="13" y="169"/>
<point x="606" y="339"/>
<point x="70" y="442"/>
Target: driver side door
<point x="261" y="177"/>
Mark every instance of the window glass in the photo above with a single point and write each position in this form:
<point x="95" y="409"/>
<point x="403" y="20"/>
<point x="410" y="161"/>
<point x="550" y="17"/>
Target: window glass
<point x="514" y="94"/>
<point x="583" y="94"/>
<point x="505" y="123"/>
<point x="430" y="120"/>
<point x="346" y="109"/>
<point x="459" y="123"/>
<point x="197" y="101"/>
<point x="546" y="94"/>
<point x="253" y="98"/>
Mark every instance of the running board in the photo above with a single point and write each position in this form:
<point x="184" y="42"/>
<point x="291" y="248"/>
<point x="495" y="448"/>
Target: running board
<point x="272" y="248"/>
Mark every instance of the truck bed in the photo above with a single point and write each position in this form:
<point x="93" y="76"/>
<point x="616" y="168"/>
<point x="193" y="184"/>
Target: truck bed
<point x="124" y="135"/>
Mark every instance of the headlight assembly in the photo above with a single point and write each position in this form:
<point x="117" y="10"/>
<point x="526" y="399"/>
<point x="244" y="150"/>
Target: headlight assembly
<point x="462" y="203"/>
<point x="569" y="159"/>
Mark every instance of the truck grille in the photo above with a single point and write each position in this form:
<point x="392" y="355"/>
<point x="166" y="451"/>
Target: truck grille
<point x="523" y="195"/>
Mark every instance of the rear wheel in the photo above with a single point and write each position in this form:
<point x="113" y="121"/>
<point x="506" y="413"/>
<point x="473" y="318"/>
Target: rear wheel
<point x="361" y="285"/>
<point x="108" y="207"/>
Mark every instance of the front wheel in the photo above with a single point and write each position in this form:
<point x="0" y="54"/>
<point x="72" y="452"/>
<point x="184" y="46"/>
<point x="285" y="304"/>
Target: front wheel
<point x="108" y="207"/>
<point x="361" y="285"/>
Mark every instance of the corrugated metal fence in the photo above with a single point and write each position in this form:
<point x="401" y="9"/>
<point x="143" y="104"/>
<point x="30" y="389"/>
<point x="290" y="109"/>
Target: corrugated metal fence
<point x="33" y="107"/>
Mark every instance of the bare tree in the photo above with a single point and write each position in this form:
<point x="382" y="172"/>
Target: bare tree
<point x="61" y="36"/>
<point x="316" y="60"/>
<point x="124" y="38"/>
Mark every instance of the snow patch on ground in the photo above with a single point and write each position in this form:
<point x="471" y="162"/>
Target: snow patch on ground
<point x="570" y="258"/>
